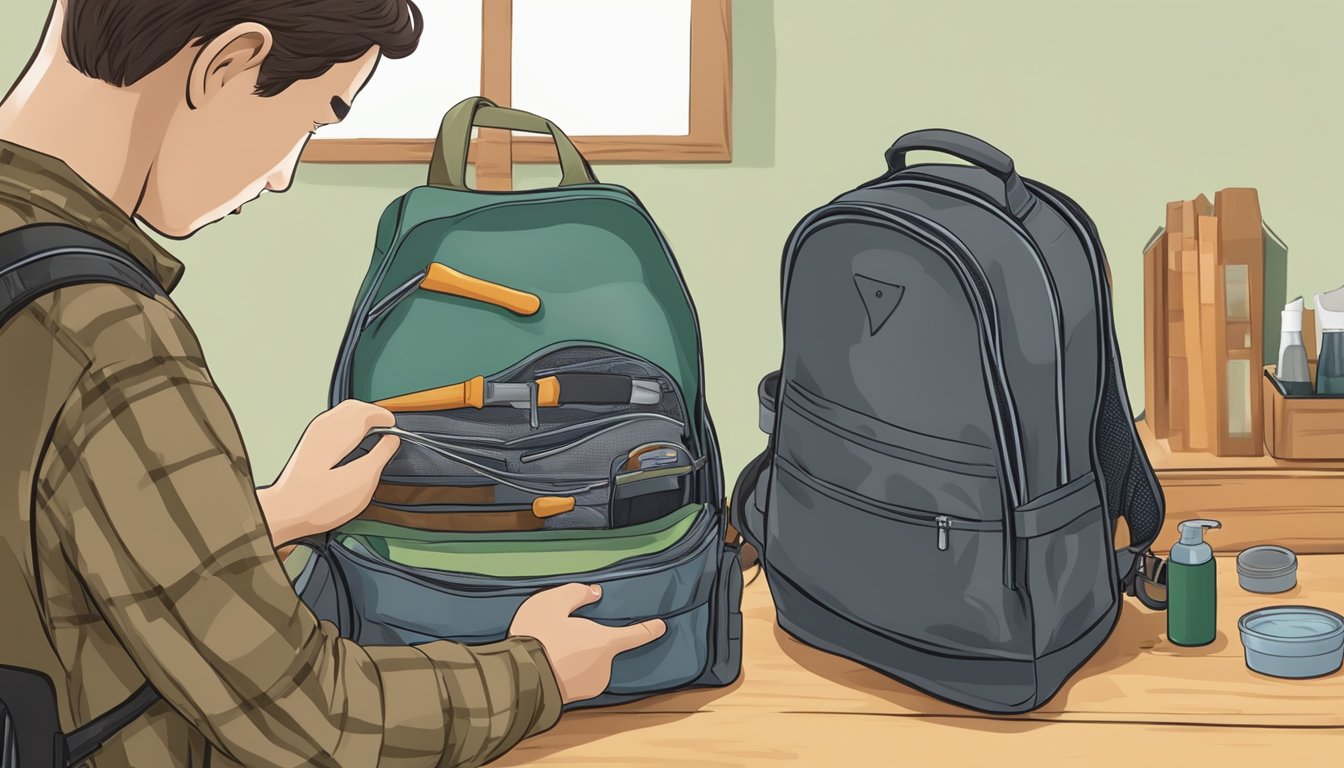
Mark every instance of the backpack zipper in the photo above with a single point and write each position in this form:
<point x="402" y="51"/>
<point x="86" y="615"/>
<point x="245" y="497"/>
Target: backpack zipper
<point x="976" y="286"/>
<point x="1082" y="226"/>
<point x="881" y="508"/>
<point x="1056" y="308"/>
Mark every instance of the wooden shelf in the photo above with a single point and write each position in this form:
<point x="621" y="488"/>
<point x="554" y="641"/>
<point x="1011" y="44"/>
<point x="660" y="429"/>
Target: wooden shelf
<point x="1258" y="499"/>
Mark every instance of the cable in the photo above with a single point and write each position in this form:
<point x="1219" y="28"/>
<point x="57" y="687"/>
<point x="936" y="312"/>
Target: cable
<point x="482" y="470"/>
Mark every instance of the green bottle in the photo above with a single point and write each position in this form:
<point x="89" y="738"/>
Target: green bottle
<point x="1192" y="586"/>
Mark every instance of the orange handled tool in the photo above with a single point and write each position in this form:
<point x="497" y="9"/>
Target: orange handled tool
<point x="547" y="392"/>
<point x="550" y="506"/>
<point x="441" y="279"/>
<point x="468" y="394"/>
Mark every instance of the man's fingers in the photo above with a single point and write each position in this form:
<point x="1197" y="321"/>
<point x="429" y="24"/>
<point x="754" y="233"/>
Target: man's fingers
<point x="569" y="597"/>
<point x="341" y="429"/>
<point x="377" y="457"/>
<point x="373" y="415"/>
<point x="633" y="636"/>
<point x="361" y="417"/>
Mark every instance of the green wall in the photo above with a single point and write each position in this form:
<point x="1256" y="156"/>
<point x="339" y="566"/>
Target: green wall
<point x="1124" y="104"/>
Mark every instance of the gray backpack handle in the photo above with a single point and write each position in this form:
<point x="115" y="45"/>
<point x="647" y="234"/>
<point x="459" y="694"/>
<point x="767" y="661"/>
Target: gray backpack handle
<point x="1017" y="200"/>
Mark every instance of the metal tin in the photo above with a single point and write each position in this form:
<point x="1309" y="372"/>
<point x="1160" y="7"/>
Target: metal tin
<point x="1294" y="641"/>
<point x="1267" y="569"/>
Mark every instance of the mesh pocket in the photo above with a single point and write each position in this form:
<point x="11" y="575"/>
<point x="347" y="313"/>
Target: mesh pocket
<point x="1114" y="447"/>
<point x="1129" y="489"/>
<point x="1142" y="513"/>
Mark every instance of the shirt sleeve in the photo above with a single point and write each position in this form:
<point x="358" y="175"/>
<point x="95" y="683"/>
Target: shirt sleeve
<point x="154" y="504"/>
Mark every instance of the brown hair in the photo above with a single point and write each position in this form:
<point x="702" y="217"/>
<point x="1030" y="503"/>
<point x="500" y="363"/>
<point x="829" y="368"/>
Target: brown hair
<point x="121" y="41"/>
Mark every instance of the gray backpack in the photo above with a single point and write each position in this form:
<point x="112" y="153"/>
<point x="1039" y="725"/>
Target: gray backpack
<point x="950" y="443"/>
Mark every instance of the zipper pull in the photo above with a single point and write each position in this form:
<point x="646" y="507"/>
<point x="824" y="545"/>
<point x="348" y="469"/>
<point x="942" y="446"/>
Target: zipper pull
<point x="944" y="525"/>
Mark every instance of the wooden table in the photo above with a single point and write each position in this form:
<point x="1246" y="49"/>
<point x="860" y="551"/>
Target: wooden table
<point x="1258" y="499"/>
<point x="1139" y="702"/>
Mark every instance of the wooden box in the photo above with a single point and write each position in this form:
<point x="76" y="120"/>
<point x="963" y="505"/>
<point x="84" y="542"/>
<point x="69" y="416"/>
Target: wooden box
<point x="1302" y="427"/>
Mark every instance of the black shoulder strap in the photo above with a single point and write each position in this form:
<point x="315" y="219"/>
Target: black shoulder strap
<point x="82" y="742"/>
<point x="41" y="258"/>
<point x="36" y="260"/>
<point x="30" y="732"/>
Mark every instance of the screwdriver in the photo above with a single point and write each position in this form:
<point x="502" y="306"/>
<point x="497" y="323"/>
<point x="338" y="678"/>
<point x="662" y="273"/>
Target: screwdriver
<point x="548" y="392"/>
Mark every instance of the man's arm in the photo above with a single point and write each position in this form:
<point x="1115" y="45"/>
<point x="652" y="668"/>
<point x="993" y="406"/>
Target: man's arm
<point x="152" y="498"/>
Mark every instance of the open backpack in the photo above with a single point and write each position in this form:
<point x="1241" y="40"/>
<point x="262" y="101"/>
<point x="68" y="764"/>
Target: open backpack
<point x="542" y="356"/>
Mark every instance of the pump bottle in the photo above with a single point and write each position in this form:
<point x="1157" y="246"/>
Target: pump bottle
<point x="1192" y="586"/>
<point x="1292" y="371"/>
<point x="1330" y="322"/>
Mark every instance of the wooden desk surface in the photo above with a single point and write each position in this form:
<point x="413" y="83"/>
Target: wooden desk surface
<point x="1139" y="701"/>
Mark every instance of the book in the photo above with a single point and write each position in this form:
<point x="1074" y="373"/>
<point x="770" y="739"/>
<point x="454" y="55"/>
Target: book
<point x="1211" y="359"/>
<point x="1197" y="430"/>
<point x="1239" y="306"/>
<point x="1276" y="292"/>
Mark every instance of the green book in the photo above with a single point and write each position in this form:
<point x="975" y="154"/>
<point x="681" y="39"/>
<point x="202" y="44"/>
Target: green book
<point x="1276" y="292"/>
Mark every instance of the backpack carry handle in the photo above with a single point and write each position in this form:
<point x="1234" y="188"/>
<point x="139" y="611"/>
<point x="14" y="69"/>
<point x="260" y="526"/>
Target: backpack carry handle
<point x="448" y="168"/>
<point x="1017" y="200"/>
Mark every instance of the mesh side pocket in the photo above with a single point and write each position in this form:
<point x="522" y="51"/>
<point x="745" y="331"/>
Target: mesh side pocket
<point x="1129" y="490"/>
<point x="1115" y="447"/>
<point x="1142" y="513"/>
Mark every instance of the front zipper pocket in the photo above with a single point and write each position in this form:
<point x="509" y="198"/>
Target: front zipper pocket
<point x="885" y="474"/>
<point x="940" y="525"/>
<point x="890" y="569"/>
<point x="972" y="457"/>
<point x="399" y="604"/>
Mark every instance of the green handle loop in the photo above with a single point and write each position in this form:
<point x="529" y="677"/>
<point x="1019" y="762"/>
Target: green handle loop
<point x="448" y="168"/>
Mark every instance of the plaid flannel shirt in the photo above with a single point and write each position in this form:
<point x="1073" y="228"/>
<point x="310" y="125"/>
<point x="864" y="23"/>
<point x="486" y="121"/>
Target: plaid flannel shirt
<point x="133" y="548"/>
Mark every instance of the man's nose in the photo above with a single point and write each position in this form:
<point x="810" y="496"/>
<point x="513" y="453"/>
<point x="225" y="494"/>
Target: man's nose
<point x="280" y="180"/>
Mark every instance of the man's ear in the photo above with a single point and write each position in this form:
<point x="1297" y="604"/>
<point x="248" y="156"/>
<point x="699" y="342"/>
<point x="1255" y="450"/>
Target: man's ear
<point x="237" y="52"/>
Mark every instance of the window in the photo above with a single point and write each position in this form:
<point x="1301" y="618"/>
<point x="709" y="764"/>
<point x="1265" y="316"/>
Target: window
<point x="646" y="81"/>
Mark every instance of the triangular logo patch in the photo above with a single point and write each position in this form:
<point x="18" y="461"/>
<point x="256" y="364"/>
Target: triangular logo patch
<point x="879" y="298"/>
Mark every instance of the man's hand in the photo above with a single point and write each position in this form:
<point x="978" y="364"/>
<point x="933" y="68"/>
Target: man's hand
<point x="580" y="650"/>
<point x="313" y="495"/>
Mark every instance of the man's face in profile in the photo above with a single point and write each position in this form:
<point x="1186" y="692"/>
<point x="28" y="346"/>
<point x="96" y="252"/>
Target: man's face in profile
<point x="226" y="144"/>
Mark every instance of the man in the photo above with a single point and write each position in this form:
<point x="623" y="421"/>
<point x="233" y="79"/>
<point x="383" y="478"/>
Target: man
<point x="135" y="546"/>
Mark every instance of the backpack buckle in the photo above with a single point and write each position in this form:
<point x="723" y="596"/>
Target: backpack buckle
<point x="1153" y="568"/>
<point x="1148" y="580"/>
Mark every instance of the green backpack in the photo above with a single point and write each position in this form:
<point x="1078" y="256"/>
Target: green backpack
<point x="543" y="358"/>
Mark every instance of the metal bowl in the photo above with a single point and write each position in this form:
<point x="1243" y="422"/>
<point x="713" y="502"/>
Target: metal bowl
<point x="1294" y="641"/>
